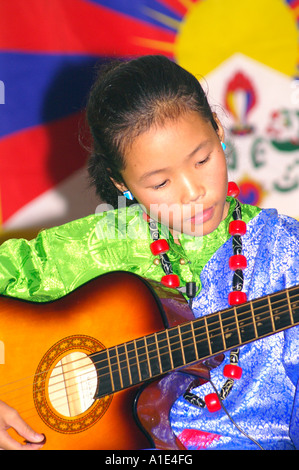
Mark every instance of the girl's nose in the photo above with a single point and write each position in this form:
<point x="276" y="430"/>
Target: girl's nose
<point x="191" y="190"/>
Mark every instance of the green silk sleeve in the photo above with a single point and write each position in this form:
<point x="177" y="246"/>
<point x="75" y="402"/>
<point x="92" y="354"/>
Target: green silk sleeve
<point x="61" y="259"/>
<point x="27" y="269"/>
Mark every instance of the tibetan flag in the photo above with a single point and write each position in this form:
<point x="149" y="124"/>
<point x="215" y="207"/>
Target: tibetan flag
<point x="48" y="54"/>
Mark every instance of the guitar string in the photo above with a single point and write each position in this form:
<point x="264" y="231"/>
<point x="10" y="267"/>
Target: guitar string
<point x="173" y="351"/>
<point x="147" y="359"/>
<point x="202" y="327"/>
<point x="210" y="331"/>
<point x="70" y="400"/>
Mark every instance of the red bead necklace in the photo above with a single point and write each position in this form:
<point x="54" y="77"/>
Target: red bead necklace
<point x="237" y="263"/>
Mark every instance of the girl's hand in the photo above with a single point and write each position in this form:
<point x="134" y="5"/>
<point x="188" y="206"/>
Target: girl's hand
<point x="10" y="418"/>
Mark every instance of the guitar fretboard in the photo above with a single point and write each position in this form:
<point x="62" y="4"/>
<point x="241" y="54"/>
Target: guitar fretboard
<point x="136" y="361"/>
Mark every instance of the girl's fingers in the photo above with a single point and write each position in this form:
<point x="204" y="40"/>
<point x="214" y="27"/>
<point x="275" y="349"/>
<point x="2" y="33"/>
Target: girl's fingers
<point x="10" y="418"/>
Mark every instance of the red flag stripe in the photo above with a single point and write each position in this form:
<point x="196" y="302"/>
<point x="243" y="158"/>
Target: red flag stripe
<point x="35" y="160"/>
<point x="73" y="26"/>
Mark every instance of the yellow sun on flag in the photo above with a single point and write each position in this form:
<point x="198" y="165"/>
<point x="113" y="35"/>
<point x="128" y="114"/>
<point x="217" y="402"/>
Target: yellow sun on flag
<point x="213" y="30"/>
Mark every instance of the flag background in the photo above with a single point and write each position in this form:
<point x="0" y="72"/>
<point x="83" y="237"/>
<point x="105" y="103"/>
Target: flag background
<point x="245" y="53"/>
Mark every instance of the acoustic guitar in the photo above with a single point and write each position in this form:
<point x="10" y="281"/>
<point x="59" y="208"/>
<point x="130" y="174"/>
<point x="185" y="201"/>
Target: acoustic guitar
<point x="101" y="367"/>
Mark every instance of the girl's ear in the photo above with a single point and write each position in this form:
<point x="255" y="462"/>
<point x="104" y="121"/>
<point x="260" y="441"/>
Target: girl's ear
<point x="220" y="131"/>
<point x="120" y="186"/>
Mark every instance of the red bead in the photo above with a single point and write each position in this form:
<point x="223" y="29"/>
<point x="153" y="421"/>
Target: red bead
<point x="233" y="189"/>
<point x="237" y="262"/>
<point x="237" y="297"/>
<point x="237" y="227"/>
<point x="232" y="371"/>
<point x="171" y="280"/>
<point x="212" y="402"/>
<point x="159" y="246"/>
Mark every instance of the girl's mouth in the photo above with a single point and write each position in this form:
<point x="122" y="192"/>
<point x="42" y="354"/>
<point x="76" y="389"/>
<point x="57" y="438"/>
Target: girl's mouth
<point x="202" y="216"/>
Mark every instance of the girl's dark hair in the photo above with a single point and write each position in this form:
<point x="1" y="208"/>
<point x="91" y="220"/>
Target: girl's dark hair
<point x="126" y="100"/>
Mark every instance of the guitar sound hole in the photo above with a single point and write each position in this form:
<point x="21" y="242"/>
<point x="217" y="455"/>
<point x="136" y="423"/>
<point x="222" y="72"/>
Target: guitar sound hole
<point x="72" y="384"/>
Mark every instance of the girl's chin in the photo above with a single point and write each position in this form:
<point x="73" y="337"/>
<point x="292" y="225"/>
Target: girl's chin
<point x="194" y="230"/>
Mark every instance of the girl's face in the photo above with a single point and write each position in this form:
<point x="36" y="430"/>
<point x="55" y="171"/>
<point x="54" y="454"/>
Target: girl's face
<point x="178" y="173"/>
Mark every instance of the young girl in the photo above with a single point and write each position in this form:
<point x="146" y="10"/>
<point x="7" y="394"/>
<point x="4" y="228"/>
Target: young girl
<point x="157" y="143"/>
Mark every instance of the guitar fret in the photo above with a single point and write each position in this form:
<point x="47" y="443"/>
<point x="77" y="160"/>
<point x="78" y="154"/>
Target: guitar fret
<point x="143" y="363"/>
<point x="175" y="348"/>
<point x="271" y="314"/>
<point x="194" y="341"/>
<point x="125" y="376"/>
<point x="253" y="321"/>
<point x="202" y="341"/>
<point x="158" y="355"/>
<point x="133" y="362"/>
<point x="247" y="326"/>
<point x="262" y="316"/>
<point x="104" y="376"/>
<point x="290" y="307"/>
<point x="214" y="333"/>
<point x="147" y="358"/>
<point x="222" y="332"/>
<point x="187" y="341"/>
<point x="114" y="369"/>
<point x="237" y="325"/>
<point x="164" y="352"/>
<point x="170" y="355"/>
<point x="230" y="329"/>
<point x="110" y="370"/>
<point x="153" y="355"/>
<point x="119" y="367"/>
<point x="208" y="337"/>
<point x="128" y="364"/>
<point x="282" y="311"/>
<point x="294" y="299"/>
<point x="137" y="360"/>
<point x="181" y="345"/>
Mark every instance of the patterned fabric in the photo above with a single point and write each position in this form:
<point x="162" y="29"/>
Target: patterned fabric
<point x="264" y="402"/>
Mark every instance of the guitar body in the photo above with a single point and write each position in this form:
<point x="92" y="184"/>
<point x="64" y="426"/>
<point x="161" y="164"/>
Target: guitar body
<point x="39" y="340"/>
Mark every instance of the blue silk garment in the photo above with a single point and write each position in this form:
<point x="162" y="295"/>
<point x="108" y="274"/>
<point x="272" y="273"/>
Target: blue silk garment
<point x="264" y="403"/>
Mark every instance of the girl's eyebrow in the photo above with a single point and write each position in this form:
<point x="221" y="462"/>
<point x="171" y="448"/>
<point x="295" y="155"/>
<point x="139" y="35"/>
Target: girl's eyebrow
<point x="162" y="170"/>
<point x="199" y="147"/>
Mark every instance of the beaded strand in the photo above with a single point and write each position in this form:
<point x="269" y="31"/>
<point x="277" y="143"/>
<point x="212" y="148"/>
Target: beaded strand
<point x="237" y="263"/>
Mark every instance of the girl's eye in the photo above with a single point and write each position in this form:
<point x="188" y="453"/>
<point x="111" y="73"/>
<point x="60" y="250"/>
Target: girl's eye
<point x="158" y="186"/>
<point x="203" y="161"/>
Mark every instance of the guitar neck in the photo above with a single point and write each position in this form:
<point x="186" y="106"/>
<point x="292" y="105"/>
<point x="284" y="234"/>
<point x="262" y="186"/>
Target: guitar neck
<point x="136" y="361"/>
